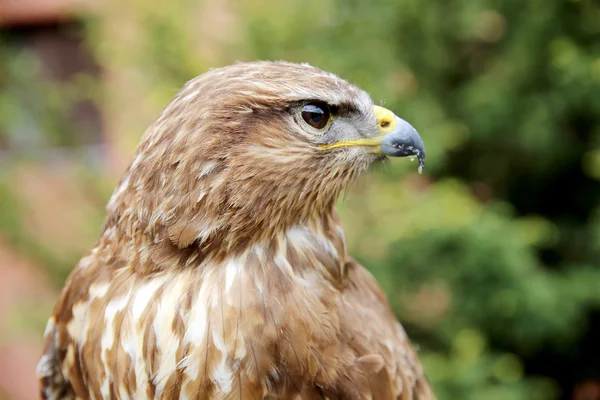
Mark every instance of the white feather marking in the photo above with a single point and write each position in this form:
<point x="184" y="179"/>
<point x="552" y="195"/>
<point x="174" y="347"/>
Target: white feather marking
<point x="122" y="187"/>
<point x="217" y="337"/>
<point x="44" y="367"/>
<point x="105" y="389"/>
<point x="108" y="337"/>
<point x="195" y="334"/>
<point x="232" y="268"/>
<point x="284" y="264"/>
<point x="166" y="340"/>
<point x="136" y="160"/>
<point x="297" y="235"/>
<point x="112" y="308"/>
<point x="87" y="261"/>
<point x="223" y="375"/>
<point x="109" y="233"/>
<point x="49" y="326"/>
<point x="78" y="325"/>
<point x="128" y="345"/>
<point x="98" y="290"/>
<point x="189" y="96"/>
<point x="207" y="169"/>
<point x="311" y="238"/>
<point x="143" y="296"/>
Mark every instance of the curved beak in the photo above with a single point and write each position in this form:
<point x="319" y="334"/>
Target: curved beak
<point x="397" y="138"/>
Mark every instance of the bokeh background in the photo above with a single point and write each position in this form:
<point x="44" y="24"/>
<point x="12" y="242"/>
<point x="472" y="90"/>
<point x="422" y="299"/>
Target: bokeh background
<point x="491" y="258"/>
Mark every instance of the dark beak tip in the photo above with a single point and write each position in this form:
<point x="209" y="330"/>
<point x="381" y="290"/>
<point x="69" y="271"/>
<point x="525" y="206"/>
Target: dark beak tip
<point x="404" y="141"/>
<point x="421" y="162"/>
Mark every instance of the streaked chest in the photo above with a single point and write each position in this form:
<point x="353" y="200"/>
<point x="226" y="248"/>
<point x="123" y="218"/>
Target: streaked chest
<point x="217" y="328"/>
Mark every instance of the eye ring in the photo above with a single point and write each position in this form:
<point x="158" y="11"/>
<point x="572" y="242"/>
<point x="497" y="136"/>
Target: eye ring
<point x="316" y="114"/>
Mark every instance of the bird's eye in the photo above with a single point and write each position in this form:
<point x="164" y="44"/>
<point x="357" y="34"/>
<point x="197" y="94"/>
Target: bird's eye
<point x="316" y="115"/>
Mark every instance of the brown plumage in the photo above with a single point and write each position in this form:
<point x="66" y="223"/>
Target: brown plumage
<point x="222" y="270"/>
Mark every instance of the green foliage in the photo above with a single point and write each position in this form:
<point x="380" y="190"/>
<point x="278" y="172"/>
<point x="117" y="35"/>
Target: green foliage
<point x="506" y="96"/>
<point x="490" y="260"/>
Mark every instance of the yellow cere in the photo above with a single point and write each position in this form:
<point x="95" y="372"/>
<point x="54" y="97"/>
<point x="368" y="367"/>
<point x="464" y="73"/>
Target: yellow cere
<point x="386" y="120"/>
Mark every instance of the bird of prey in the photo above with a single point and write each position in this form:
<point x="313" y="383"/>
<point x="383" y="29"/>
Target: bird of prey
<point x="222" y="270"/>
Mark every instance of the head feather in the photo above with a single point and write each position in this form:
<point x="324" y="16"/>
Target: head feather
<point x="225" y="166"/>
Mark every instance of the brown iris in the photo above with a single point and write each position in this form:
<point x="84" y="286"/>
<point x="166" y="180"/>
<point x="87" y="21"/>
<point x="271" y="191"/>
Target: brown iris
<point x="316" y="115"/>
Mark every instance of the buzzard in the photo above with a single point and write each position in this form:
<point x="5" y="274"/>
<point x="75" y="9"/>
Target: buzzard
<point x="222" y="270"/>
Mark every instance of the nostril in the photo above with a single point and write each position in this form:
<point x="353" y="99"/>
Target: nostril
<point x="384" y="123"/>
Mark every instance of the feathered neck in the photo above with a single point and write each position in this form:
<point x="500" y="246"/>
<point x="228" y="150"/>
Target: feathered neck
<point x="316" y="242"/>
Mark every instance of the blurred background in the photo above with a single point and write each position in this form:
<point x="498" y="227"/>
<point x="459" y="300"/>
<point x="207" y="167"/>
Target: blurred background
<point x="491" y="258"/>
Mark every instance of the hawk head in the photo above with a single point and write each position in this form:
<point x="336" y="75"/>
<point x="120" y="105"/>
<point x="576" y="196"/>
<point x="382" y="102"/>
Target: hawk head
<point x="246" y="151"/>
